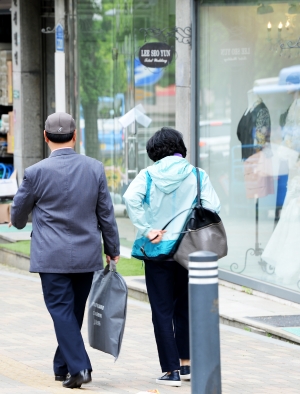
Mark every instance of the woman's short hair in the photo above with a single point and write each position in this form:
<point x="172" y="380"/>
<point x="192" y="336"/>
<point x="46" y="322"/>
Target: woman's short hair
<point x="59" y="138"/>
<point x="165" y="142"/>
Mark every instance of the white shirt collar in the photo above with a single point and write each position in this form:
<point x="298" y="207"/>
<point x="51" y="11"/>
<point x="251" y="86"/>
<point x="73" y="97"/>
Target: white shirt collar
<point x="67" y="147"/>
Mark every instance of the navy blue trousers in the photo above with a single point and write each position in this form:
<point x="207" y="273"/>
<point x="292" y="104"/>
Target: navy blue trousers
<point x="65" y="296"/>
<point x="167" y="286"/>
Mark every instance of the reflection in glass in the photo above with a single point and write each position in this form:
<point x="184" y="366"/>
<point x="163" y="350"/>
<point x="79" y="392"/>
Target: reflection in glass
<point x="112" y="81"/>
<point x="249" y="133"/>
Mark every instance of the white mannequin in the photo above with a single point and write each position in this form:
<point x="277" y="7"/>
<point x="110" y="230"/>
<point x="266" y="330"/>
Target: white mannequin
<point x="253" y="100"/>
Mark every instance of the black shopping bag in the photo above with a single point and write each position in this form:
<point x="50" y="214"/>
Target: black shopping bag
<point x="107" y="310"/>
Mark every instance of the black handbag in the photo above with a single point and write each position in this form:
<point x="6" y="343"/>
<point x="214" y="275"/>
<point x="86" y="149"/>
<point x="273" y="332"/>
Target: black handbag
<point x="203" y="231"/>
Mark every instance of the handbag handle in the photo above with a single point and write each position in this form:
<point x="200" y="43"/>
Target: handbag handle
<point x="198" y="187"/>
<point x="142" y="248"/>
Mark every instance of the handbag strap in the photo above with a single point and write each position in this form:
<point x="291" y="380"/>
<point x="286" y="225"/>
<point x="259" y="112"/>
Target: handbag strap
<point x="198" y="199"/>
<point x="198" y="187"/>
<point x="142" y="248"/>
<point x="165" y="226"/>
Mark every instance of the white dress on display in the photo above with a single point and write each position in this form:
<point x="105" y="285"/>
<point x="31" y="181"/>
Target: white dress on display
<point x="283" y="248"/>
<point x="291" y="129"/>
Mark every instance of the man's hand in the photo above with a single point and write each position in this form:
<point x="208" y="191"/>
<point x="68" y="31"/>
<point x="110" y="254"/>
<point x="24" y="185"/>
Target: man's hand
<point x="9" y="224"/>
<point x="115" y="259"/>
<point x="155" y="236"/>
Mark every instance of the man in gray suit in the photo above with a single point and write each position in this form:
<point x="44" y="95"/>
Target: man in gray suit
<point x="71" y="207"/>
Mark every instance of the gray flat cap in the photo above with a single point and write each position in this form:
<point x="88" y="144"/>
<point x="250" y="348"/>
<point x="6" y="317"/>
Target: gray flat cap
<point x="60" y="123"/>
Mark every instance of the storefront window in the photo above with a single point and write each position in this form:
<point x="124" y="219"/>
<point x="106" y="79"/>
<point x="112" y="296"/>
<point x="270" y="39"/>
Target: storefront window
<point x="249" y="132"/>
<point x="112" y="81"/>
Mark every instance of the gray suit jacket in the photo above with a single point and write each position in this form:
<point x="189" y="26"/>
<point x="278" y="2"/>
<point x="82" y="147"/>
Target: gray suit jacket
<point x="71" y="205"/>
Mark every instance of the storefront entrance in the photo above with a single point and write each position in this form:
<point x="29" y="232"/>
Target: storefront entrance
<point x="249" y="136"/>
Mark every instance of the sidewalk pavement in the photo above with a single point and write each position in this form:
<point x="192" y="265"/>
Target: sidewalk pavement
<point x="239" y="307"/>
<point x="247" y="309"/>
<point x="251" y="363"/>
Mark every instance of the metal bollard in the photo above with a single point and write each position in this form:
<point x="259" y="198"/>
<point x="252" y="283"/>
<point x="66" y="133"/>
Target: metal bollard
<point x="204" y="323"/>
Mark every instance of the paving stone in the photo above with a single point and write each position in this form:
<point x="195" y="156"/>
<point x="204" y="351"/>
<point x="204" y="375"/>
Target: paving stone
<point x="250" y="363"/>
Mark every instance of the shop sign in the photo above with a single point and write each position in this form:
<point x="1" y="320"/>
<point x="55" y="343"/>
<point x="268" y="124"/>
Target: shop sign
<point x="235" y="52"/>
<point x="59" y="38"/>
<point x="156" y="54"/>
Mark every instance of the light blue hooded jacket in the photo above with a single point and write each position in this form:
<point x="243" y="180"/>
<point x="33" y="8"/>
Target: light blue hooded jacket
<point x="157" y="195"/>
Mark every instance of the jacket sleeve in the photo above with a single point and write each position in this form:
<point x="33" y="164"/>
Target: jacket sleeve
<point x="106" y="219"/>
<point x="209" y="197"/>
<point x="23" y="203"/>
<point x="134" y="198"/>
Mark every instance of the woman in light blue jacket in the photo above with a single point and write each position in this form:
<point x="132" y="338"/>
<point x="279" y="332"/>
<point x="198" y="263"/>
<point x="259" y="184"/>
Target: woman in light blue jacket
<point x="154" y="197"/>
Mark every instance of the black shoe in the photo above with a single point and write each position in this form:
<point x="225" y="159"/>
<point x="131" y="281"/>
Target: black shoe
<point x="185" y="372"/>
<point x="75" y="381"/>
<point x="60" y="378"/>
<point x="170" y="379"/>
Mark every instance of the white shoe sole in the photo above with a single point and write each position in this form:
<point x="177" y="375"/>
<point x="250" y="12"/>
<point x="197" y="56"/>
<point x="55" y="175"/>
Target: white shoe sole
<point x="173" y="383"/>
<point x="185" y="377"/>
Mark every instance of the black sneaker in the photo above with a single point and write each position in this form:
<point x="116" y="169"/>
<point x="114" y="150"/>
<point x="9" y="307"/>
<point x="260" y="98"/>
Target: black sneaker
<point x="170" y="379"/>
<point x="185" y="372"/>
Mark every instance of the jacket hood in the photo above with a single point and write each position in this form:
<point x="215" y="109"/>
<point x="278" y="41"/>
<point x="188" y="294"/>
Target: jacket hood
<point x="168" y="173"/>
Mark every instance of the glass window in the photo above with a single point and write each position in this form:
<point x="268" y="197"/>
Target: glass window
<point x="249" y="132"/>
<point x="112" y="81"/>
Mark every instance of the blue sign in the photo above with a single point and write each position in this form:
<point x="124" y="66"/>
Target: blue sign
<point x="59" y="38"/>
<point x="146" y="75"/>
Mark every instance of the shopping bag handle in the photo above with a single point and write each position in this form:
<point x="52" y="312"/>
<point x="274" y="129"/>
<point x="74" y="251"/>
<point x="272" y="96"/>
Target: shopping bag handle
<point x="112" y="265"/>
